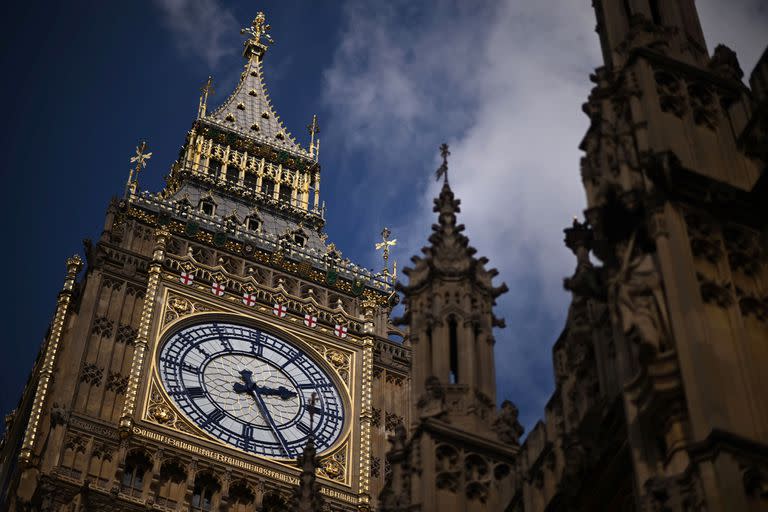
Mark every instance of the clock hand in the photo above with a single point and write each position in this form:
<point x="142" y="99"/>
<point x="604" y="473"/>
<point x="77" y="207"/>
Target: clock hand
<point x="251" y="388"/>
<point x="282" y="392"/>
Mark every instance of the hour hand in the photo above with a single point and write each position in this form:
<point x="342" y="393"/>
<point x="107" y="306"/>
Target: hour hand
<point x="248" y="386"/>
<point x="282" y="392"/>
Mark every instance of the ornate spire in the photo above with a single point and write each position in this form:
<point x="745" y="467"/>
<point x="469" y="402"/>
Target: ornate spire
<point x="248" y="111"/>
<point x="449" y="253"/>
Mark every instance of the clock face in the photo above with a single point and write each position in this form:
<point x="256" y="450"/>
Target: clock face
<point x="251" y="389"/>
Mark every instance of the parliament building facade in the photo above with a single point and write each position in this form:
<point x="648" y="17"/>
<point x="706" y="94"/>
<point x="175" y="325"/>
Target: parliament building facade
<point x="213" y="351"/>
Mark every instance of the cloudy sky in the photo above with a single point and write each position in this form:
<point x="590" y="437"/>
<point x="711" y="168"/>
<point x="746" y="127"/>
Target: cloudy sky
<point x="501" y="81"/>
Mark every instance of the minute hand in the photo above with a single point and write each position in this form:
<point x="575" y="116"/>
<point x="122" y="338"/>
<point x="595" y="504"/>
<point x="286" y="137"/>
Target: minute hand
<point x="268" y="418"/>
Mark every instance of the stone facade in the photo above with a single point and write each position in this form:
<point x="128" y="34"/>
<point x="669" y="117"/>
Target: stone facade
<point x="660" y="401"/>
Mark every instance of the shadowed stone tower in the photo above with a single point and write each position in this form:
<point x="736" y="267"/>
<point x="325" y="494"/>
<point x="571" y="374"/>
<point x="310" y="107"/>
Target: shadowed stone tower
<point x="459" y="453"/>
<point x="661" y="399"/>
<point x="215" y="338"/>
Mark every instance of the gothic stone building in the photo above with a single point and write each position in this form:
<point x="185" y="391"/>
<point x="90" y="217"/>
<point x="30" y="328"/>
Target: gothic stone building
<point x="661" y="388"/>
<point x="216" y="339"/>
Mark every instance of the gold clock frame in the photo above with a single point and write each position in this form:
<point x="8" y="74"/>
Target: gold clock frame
<point x="341" y="361"/>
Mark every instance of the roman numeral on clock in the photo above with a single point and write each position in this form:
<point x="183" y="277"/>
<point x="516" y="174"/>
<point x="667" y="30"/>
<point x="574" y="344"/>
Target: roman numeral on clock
<point x="213" y="417"/>
<point x="195" y="392"/>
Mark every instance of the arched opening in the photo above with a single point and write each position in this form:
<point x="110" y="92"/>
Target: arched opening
<point x="453" y="342"/>
<point x="268" y="188"/>
<point x="204" y="492"/>
<point x="137" y="464"/>
<point x="241" y="498"/>
<point x="273" y="502"/>
<point x="172" y="484"/>
<point x="655" y="12"/>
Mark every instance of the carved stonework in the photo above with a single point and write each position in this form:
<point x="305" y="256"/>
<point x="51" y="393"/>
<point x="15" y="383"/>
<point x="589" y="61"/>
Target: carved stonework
<point x="177" y="307"/>
<point x="432" y="402"/>
<point x="507" y="425"/>
<point x="705" y="244"/>
<point x="340" y="361"/>
<point x="638" y="300"/>
<point x="714" y="292"/>
<point x="161" y="412"/>
<point x="91" y="374"/>
<point x="334" y="466"/>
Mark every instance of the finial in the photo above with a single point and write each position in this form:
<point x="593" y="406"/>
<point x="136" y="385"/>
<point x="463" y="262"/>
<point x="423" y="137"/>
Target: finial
<point x="385" y="244"/>
<point x="206" y="90"/>
<point x="258" y="29"/>
<point x="313" y="129"/>
<point x="140" y="159"/>
<point x="442" y="171"/>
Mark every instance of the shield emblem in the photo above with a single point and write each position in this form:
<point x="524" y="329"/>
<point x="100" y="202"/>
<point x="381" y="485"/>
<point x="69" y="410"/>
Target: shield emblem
<point x="357" y="286"/>
<point x="191" y="228"/>
<point x="331" y="276"/>
<point x="219" y="238"/>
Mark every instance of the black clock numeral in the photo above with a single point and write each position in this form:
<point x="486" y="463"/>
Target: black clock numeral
<point x="256" y="347"/>
<point x="196" y="392"/>
<point x="213" y="417"/>
<point x="247" y="436"/>
<point x="226" y="344"/>
<point x="305" y="429"/>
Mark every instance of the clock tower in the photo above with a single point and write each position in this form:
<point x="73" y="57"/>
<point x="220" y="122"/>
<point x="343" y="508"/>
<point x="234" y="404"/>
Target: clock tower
<point x="214" y="337"/>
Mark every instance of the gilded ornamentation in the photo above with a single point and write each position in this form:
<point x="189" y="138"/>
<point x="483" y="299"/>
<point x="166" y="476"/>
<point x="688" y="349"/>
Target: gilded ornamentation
<point x="160" y="412"/>
<point x="177" y="307"/>
<point x="334" y="467"/>
<point x="340" y="361"/>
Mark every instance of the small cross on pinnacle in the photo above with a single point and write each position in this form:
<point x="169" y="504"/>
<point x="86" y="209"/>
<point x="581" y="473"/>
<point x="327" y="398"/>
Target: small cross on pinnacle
<point x="442" y="171"/>
<point x="313" y="129"/>
<point x="385" y="244"/>
<point x="140" y="159"/>
<point x="206" y="90"/>
<point x="258" y="29"/>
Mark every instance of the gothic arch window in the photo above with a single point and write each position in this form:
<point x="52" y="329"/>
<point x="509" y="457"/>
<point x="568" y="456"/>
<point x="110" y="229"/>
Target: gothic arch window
<point x="207" y="206"/>
<point x="214" y="168"/>
<point x="204" y="492"/>
<point x="253" y="223"/>
<point x="273" y="502"/>
<point x="656" y="12"/>
<point x="453" y="349"/>
<point x="172" y="483"/>
<point x="285" y="193"/>
<point x="250" y="181"/>
<point x="232" y="175"/>
<point x="241" y="498"/>
<point x="136" y="466"/>
<point x="184" y="204"/>
<point x="268" y="188"/>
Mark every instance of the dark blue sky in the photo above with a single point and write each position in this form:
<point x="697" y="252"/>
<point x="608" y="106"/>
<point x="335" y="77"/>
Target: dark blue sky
<point x="502" y="81"/>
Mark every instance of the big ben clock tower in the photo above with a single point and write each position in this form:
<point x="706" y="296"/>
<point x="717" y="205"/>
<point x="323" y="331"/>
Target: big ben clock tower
<point x="213" y="338"/>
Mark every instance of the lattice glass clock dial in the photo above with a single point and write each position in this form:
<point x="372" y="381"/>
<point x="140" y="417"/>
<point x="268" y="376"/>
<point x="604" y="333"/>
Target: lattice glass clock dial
<point x="251" y="389"/>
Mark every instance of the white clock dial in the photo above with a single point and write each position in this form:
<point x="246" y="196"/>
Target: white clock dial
<point x="251" y="389"/>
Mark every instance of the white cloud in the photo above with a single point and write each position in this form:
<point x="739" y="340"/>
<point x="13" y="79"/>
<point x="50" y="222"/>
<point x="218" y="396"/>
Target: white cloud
<point x="200" y="28"/>
<point x="504" y="83"/>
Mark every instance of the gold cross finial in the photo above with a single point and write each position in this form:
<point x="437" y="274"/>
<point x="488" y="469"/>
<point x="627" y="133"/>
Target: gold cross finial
<point x="442" y="171"/>
<point x="258" y="29"/>
<point x="313" y="129"/>
<point x="206" y="90"/>
<point x="385" y="244"/>
<point x="140" y="159"/>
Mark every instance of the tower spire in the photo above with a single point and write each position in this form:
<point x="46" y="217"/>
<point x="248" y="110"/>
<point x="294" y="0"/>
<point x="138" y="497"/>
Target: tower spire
<point x="140" y="159"/>
<point x="442" y="171"/>
<point x="206" y="90"/>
